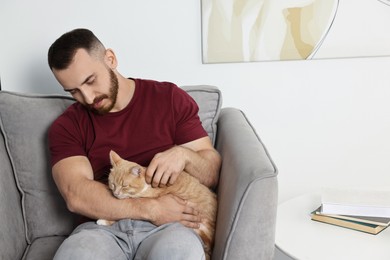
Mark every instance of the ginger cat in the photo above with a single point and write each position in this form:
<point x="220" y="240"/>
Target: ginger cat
<point x="127" y="180"/>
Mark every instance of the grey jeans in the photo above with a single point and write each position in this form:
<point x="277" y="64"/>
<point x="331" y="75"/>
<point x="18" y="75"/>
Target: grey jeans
<point x="131" y="239"/>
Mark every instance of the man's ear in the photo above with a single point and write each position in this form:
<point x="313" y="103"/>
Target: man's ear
<point x="110" y="59"/>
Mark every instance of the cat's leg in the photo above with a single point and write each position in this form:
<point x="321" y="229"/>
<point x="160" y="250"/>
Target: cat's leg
<point x="103" y="222"/>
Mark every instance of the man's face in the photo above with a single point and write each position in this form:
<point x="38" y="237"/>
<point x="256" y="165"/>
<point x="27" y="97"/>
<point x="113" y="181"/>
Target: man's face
<point x="98" y="105"/>
<point x="91" y="82"/>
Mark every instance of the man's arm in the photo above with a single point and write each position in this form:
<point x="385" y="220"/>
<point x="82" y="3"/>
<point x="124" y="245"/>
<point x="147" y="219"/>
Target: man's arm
<point x="74" y="179"/>
<point x="198" y="158"/>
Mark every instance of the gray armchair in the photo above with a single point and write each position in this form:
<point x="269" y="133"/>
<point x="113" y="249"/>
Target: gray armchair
<point x="33" y="216"/>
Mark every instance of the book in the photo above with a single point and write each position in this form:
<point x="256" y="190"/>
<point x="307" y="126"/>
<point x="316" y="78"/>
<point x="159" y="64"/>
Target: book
<point x="381" y="221"/>
<point x="348" y="210"/>
<point x="350" y="224"/>
<point x="356" y="202"/>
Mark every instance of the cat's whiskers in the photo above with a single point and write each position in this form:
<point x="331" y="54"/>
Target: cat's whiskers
<point x="121" y="196"/>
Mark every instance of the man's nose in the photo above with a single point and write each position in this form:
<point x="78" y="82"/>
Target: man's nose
<point x="88" y="95"/>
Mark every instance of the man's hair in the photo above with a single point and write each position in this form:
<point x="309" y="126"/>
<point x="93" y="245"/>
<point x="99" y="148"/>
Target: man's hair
<point x="62" y="51"/>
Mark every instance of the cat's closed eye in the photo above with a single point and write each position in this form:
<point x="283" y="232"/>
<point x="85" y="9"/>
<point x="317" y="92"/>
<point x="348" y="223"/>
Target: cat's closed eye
<point x="125" y="184"/>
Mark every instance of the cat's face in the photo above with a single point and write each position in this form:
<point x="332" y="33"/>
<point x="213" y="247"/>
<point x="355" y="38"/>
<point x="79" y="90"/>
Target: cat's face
<point x="126" y="179"/>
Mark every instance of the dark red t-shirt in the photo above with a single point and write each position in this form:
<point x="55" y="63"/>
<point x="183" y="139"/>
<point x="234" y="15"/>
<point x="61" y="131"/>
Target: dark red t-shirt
<point x="159" y="116"/>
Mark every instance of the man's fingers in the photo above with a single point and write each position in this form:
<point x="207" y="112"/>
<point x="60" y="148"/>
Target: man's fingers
<point x="189" y="210"/>
<point x="149" y="174"/>
<point x="156" y="178"/>
<point x="191" y="218"/>
<point x="190" y="224"/>
<point x="164" y="180"/>
<point x="177" y="209"/>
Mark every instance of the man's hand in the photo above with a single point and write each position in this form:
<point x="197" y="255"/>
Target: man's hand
<point x="170" y="208"/>
<point x="198" y="158"/>
<point x="166" y="167"/>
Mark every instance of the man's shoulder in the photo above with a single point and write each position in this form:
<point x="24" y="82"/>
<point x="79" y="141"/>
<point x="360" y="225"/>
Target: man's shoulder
<point x="155" y="85"/>
<point x="159" y="88"/>
<point x="74" y="112"/>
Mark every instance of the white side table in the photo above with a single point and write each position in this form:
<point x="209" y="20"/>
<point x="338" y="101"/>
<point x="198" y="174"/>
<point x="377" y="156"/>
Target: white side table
<point x="302" y="238"/>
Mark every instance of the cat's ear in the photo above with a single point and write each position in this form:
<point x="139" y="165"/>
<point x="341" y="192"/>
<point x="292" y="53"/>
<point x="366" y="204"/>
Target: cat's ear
<point x="136" y="170"/>
<point x="114" y="158"/>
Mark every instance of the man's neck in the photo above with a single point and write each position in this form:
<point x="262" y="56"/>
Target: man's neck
<point x="125" y="92"/>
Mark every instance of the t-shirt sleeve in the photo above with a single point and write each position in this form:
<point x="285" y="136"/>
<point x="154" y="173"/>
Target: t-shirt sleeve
<point x="64" y="140"/>
<point x="188" y="124"/>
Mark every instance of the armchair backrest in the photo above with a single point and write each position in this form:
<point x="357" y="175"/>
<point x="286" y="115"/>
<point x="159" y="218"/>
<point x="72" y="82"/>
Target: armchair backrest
<point x="209" y="100"/>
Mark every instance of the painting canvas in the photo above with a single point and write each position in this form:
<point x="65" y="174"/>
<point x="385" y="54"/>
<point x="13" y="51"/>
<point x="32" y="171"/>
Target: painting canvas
<point x="265" y="30"/>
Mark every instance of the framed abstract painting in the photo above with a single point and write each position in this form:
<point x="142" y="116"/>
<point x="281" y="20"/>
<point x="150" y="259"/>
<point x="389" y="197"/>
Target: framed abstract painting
<point x="265" y="30"/>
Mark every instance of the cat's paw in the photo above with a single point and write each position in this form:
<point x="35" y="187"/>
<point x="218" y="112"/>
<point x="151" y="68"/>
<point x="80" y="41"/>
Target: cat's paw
<point x="103" y="222"/>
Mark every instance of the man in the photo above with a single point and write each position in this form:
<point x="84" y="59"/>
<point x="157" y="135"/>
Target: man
<point x="152" y="123"/>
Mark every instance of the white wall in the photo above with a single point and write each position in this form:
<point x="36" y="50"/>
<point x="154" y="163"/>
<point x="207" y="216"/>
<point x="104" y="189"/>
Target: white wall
<point x="324" y="122"/>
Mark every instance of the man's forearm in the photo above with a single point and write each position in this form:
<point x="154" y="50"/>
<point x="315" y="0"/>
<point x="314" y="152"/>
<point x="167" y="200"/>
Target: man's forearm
<point x="204" y="165"/>
<point x="74" y="179"/>
<point x="94" y="200"/>
<point x="100" y="204"/>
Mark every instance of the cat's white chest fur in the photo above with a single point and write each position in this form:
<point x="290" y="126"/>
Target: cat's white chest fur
<point x="145" y="188"/>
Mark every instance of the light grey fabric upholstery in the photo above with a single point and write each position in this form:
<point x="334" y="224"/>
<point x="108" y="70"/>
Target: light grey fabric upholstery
<point x="209" y="100"/>
<point x="25" y="120"/>
<point x="12" y="233"/>
<point x="247" y="191"/>
<point x="44" y="248"/>
<point x="33" y="216"/>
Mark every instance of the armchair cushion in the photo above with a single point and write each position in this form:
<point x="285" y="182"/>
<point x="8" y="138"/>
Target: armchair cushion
<point x="209" y="100"/>
<point x="24" y="123"/>
<point x="12" y="242"/>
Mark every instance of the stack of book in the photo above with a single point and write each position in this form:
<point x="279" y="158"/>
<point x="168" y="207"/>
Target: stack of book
<point x="359" y="209"/>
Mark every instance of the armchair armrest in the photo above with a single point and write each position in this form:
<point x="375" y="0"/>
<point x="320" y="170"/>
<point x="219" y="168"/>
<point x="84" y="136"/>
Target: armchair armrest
<point x="247" y="191"/>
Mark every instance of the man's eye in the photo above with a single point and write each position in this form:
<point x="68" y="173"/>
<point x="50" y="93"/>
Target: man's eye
<point x="90" y="82"/>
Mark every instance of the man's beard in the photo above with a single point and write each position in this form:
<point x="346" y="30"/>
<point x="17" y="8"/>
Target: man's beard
<point x="112" y="96"/>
